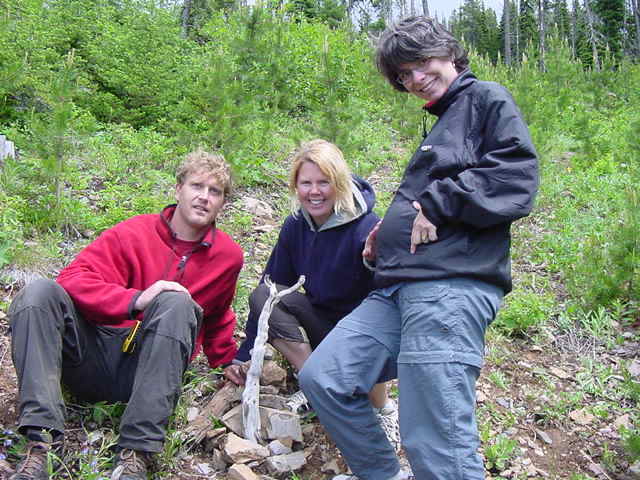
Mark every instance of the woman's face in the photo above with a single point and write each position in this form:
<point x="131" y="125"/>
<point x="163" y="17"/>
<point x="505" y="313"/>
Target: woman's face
<point x="428" y="79"/>
<point x="316" y="193"/>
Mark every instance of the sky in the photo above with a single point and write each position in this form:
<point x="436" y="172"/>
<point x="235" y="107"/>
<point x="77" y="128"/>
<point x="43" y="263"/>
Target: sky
<point x="445" y="7"/>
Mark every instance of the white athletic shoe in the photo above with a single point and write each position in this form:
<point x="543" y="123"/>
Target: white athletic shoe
<point x="388" y="418"/>
<point x="298" y="402"/>
<point x="401" y="475"/>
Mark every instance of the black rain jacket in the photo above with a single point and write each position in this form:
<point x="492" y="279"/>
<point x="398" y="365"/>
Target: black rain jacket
<point x="473" y="174"/>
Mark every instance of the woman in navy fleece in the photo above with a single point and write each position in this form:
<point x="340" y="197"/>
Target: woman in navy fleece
<point x="323" y="240"/>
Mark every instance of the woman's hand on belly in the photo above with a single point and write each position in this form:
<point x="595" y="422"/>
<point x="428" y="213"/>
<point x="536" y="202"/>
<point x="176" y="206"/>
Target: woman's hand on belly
<point x="423" y="230"/>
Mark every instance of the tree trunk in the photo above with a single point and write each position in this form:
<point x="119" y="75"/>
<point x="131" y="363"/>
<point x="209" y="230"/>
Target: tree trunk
<point x="388" y="11"/>
<point x="574" y="27"/>
<point x="541" y="33"/>
<point x="592" y="35"/>
<point x="636" y="16"/>
<point x="402" y="8"/>
<point x="350" y="4"/>
<point x="517" y="24"/>
<point x="506" y="15"/>
<point x="186" y="15"/>
<point x="425" y="8"/>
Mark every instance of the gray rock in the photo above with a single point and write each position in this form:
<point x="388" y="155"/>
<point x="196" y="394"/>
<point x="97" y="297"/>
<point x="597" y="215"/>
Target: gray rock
<point x="218" y="462"/>
<point x="286" y="463"/>
<point x="239" y="450"/>
<point x="544" y="436"/>
<point x="275" y="424"/>
<point x="238" y="471"/>
<point x="276" y="447"/>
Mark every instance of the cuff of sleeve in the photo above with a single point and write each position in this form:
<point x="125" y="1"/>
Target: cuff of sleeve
<point x="235" y="361"/>
<point x="133" y="313"/>
<point x="369" y="265"/>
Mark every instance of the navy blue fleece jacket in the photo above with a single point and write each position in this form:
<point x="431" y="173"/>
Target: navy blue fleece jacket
<point x="330" y="257"/>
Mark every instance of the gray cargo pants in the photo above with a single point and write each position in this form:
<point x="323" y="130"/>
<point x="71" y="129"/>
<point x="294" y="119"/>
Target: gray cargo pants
<point x="51" y="343"/>
<point x="430" y="336"/>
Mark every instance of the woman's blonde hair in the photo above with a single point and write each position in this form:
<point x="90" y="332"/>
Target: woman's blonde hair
<point x="329" y="159"/>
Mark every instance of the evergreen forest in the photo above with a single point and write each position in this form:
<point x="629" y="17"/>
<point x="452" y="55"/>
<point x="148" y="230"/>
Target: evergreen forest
<point x="103" y="98"/>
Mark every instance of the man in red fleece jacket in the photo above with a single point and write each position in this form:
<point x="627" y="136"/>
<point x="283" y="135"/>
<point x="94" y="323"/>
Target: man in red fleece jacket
<point x="125" y="317"/>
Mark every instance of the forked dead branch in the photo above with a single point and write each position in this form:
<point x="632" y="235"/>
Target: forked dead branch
<point x="250" y="395"/>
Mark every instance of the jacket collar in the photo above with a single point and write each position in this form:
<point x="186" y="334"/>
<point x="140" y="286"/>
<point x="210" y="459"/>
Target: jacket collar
<point x="461" y="83"/>
<point x="168" y="236"/>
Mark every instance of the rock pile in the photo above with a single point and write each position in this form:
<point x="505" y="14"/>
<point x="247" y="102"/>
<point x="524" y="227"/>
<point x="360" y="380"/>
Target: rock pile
<point x="218" y="426"/>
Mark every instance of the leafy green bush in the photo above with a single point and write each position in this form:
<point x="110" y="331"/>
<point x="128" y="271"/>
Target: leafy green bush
<point x="499" y="452"/>
<point x="631" y="442"/>
<point x="523" y="311"/>
<point x="11" y="234"/>
<point x="609" y="267"/>
<point x="254" y="83"/>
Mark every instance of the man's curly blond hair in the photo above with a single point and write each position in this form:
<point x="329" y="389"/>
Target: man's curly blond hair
<point x="200" y="161"/>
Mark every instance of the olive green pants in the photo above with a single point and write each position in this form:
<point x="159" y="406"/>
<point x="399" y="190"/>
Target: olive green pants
<point x="52" y="343"/>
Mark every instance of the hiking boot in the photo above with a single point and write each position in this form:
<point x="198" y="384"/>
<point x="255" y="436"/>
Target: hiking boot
<point x="298" y="402"/>
<point x="34" y="464"/>
<point x="388" y="418"/>
<point x="131" y="465"/>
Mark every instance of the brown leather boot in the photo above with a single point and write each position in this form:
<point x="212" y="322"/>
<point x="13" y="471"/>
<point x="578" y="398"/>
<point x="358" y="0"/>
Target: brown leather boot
<point x="131" y="465"/>
<point x="34" y="465"/>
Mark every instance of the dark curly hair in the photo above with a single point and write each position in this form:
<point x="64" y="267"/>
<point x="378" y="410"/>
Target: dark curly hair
<point x="414" y="39"/>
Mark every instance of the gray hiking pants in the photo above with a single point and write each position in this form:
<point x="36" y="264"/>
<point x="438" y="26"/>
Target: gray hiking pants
<point x="51" y="343"/>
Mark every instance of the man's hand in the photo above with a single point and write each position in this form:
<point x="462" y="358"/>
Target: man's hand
<point x="237" y="373"/>
<point x="423" y="230"/>
<point x="369" y="250"/>
<point x="160" y="286"/>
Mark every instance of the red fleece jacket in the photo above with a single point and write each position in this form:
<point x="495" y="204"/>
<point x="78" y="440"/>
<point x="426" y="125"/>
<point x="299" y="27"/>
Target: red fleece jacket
<point x="106" y="278"/>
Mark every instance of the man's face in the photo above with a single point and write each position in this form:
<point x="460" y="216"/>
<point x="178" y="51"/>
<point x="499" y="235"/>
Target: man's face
<point x="428" y="79"/>
<point x="200" y="199"/>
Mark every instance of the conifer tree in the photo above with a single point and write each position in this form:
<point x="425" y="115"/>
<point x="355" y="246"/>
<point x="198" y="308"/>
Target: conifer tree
<point x="542" y="32"/>
<point x="466" y="24"/>
<point x="592" y="33"/>
<point x="425" y="8"/>
<point x="527" y="24"/>
<point x="635" y="4"/>
<point x="490" y="44"/>
<point x="611" y="22"/>
<point x="515" y="28"/>
<point x="582" y="36"/>
<point x="573" y="41"/>
<point x="559" y="19"/>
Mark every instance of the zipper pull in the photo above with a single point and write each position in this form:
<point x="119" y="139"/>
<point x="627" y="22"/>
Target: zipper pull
<point x="183" y="262"/>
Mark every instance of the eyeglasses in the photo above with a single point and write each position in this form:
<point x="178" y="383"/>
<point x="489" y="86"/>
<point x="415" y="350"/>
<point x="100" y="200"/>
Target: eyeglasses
<point x="406" y="76"/>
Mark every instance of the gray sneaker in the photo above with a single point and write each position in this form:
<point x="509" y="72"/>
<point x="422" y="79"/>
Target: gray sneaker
<point x="131" y="465"/>
<point x="34" y="464"/>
